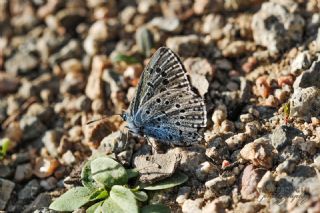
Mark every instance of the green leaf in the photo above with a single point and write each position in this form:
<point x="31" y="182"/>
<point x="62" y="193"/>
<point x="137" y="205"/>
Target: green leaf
<point x="125" y="58"/>
<point x="175" y="180"/>
<point x="286" y="110"/>
<point x="155" y="208"/>
<point x="98" y="195"/>
<point x="132" y="173"/>
<point x="108" y="172"/>
<point x="86" y="177"/>
<point x="4" y="147"/>
<point x="121" y="200"/>
<point x="71" y="200"/>
<point x="140" y="195"/>
<point x="95" y="206"/>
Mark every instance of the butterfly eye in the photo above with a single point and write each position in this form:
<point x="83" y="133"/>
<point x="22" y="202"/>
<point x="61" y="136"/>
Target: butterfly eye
<point x="124" y="116"/>
<point x="178" y="105"/>
<point x="167" y="102"/>
<point x="158" y="100"/>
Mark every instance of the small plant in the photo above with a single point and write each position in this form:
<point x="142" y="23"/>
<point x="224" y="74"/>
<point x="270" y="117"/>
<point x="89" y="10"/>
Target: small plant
<point x="105" y="189"/>
<point x="286" y="111"/>
<point x="4" y="145"/>
<point x="126" y="58"/>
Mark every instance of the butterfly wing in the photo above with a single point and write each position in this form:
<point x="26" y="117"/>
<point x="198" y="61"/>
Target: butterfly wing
<point x="165" y="71"/>
<point x="174" y="115"/>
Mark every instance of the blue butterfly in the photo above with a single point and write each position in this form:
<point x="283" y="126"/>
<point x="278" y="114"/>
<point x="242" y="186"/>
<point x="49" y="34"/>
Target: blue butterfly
<point x="164" y="106"/>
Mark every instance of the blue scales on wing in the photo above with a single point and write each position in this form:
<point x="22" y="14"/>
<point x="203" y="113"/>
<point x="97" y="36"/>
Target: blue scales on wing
<point x="165" y="107"/>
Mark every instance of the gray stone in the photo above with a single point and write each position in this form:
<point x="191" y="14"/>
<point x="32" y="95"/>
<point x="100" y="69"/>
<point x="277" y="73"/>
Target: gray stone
<point x="301" y="182"/>
<point x="184" y="46"/>
<point x="27" y="89"/>
<point x="23" y="172"/>
<point x="191" y="157"/>
<point x="259" y="152"/>
<point x="283" y="135"/>
<point x="83" y="103"/>
<point x="245" y="90"/>
<point x="305" y="103"/>
<point x="21" y="63"/>
<point x="113" y="143"/>
<point x="42" y="210"/>
<point x="217" y="150"/>
<point x="290" y="153"/>
<point x="49" y="183"/>
<point x="192" y="206"/>
<point x="30" y="190"/>
<point x="200" y="70"/>
<point x="51" y="141"/>
<point x="38" y="205"/>
<point x="127" y="14"/>
<point x="276" y="27"/>
<point x="183" y="194"/>
<point x="68" y="158"/>
<point x="31" y="127"/>
<point x="213" y="24"/>
<point x="71" y="50"/>
<point x="20" y="158"/>
<point x="310" y="77"/>
<point x="169" y="24"/>
<point x="156" y="167"/>
<point x="206" y="170"/>
<point x="6" y="188"/>
<point x="6" y="171"/>
<point x="219" y="183"/>
<point x="287" y="166"/>
<point x="301" y="62"/>
<point x="215" y="206"/>
<point x="44" y="113"/>
<point x="248" y="207"/>
<point x="266" y="184"/>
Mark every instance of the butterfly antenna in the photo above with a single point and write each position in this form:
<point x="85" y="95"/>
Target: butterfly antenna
<point x="99" y="119"/>
<point x="95" y="120"/>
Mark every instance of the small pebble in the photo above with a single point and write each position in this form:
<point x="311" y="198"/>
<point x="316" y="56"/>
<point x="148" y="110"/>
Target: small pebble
<point x="192" y="206"/>
<point x="23" y="172"/>
<point x="183" y="194"/>
<point x="45" y="167"/>
<point x="260" y="152"/>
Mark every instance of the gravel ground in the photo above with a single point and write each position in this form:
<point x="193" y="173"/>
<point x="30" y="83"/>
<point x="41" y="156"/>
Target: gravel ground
<point x="64" y="63"/>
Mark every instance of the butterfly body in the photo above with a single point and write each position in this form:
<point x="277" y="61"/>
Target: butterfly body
<point x="165" y="107"/>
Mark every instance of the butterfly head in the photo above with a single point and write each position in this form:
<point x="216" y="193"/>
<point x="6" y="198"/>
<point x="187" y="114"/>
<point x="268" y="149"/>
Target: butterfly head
<point x="124" y="115"/>
<point x="133" y="128"/>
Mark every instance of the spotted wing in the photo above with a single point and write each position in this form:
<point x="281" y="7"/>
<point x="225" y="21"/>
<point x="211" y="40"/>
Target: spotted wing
<point x="175" y="116"/>
<point x="165" y="71"/>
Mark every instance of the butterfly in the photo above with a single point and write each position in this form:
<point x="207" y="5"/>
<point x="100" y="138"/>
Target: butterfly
<point x="165" y="107"/>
